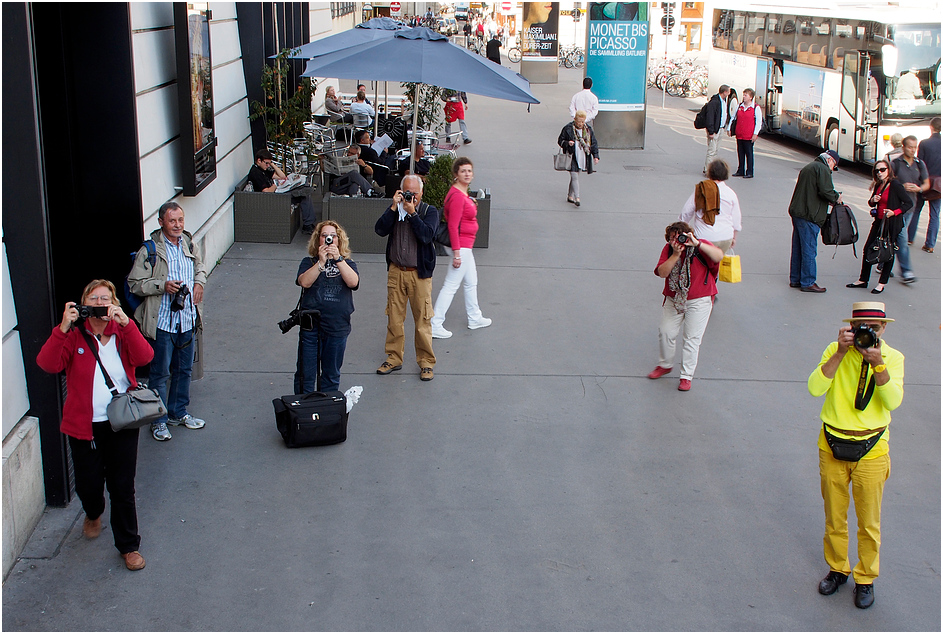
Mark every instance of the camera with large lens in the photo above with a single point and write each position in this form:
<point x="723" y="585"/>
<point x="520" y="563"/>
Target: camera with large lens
<point x="408" y="197"/>
<point x="682" y="238"/>
<point x="179" y="301"/>
<point x="91" y="311"/>
<point x="307" y="319"/>
<point x="865" y="337"/>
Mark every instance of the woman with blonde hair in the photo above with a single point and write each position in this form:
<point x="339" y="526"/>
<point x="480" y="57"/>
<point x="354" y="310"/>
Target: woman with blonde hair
<point x="100" y="456"/>
<point x="328" y="278"/>
<point x="577" y="138"/>
<point x="461" y="214"/>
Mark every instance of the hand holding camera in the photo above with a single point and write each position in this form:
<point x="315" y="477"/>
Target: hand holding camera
<point x="179" y="301"/>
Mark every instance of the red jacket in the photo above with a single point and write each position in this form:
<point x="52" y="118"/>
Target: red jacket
<point x="69" y="352"/>
<point x="702" y="277"/>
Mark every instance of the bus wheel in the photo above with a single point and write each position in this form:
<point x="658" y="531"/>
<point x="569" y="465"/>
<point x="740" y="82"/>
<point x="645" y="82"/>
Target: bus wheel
<point x="831" y="137"/>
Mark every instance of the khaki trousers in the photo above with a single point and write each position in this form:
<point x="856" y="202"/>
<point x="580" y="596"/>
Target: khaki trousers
<point x="713" y="145"/>
<point x="403" y="286"/>
<point x="867" y="479"/>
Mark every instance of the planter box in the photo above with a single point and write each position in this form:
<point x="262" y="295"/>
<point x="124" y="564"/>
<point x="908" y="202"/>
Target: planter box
<point x="359" y="216"/>
<point x="263" y="217"/>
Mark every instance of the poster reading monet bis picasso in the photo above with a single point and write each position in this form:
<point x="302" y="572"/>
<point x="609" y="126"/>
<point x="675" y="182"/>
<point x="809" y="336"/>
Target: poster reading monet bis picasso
<point x="617" y="54"/>
<point x="539" y="30"/>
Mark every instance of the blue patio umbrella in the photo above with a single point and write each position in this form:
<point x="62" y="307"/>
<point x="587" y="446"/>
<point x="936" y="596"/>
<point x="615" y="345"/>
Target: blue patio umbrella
<point x="364" y="33"/>
<point x="422" y="56"/>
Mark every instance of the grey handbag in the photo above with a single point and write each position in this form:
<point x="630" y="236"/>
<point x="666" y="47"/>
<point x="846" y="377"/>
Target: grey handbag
<point x="135" y="408"/>
<point x="561" y="161"/>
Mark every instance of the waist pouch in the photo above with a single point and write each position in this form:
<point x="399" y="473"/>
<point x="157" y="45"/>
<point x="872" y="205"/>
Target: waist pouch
<point x="850" y="450"/>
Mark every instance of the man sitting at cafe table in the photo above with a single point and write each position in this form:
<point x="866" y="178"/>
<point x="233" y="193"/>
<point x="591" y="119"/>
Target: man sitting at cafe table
<point x="262" y="177"/>
<point x="359" y="106"/>
<point x="379" y="162"/>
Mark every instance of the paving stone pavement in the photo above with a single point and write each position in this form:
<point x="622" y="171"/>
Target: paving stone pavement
<point x="541" y="481"/>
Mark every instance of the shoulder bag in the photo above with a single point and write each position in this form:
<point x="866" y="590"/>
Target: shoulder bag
<point x="135" y="408"/>
<point x="882" y="248"/>
<point x="562" y="161"/>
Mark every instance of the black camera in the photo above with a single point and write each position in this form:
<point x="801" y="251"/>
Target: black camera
<point x="865" y="337"/>
<point x="179" y="301"/>
<point x="682" y="238"/>
<point x="91" y="311"/>
<point x="408" y="197"/>
<point x="329" y="239"/>
<point x="307" y="319"/>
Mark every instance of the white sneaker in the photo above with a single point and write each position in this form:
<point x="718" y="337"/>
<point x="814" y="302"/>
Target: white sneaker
<point x="190" y="422"/>
<point x="438" y="332"/>
<point x="484" y="322"/>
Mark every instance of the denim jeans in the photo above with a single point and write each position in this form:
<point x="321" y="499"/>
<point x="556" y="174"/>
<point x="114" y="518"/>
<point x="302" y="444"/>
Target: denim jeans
<point x="331" y="353"/>
<point x="914" y="220"/>
<point x="933" y="223"/>
<point x="173" y="361"/>
<point x="903" y="251"/>
<point x="805" y="247"/>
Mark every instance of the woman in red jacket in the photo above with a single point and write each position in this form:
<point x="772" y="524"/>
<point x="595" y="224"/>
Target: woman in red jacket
<point x="461" y="213"/>
<point x="100" y="456"/>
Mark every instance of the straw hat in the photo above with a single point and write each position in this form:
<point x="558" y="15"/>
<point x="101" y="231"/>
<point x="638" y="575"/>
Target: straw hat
<point x="868" y="311"/>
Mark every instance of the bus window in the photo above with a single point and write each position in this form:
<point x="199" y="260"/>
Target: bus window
<point x="912" y="88"/>
<point x="756" y="29"/>
<point x="723" y="21"/>
<point x="781" y="36"/>
<point x="738" y="35"/>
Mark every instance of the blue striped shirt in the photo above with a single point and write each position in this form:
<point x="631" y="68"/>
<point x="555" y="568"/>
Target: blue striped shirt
<point x="179" y="267"/>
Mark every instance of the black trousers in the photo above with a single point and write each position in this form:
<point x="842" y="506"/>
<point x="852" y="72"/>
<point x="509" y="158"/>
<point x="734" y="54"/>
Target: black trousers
<point x="111" y="458"/>
<point x="886" y="268"/>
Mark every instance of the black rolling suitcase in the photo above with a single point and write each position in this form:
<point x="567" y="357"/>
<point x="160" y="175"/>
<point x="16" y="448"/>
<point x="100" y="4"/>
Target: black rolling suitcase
<point x="306" y="420"/>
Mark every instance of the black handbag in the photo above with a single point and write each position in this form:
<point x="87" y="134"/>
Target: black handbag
<point x="883" y="248"/>
<point x="310" y="420"/>
<point x="135" y="408"/>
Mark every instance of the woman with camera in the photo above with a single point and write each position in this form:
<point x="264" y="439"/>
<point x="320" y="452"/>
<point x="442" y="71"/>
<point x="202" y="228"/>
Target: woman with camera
<point x="100" y="456"/>
<point x="577" y="138"/>
<point x="689" y="266"/>
<point x="461" y="214"/>
<point x="714" y="209"/>
<point x="328" y="278"/>
<point x="889" y="202"/>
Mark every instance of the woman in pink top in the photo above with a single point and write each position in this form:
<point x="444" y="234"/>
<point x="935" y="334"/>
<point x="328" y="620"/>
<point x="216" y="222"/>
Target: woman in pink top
<point x="461" y="213"/>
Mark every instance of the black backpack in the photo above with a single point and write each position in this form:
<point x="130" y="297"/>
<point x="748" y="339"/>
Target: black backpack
<point x="840" y="228"/>
<point x="700" y="119"/>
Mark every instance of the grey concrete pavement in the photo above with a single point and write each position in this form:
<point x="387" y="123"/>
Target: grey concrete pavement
<point x="541" y="481"/>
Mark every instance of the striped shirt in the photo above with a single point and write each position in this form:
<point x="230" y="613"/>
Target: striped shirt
<point x="179" y="267"/>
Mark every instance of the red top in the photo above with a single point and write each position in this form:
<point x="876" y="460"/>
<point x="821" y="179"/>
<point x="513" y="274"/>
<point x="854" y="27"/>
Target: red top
<point x="745" y="125"/>
<point x="461" y="213"/>
<point x="882" y="204"/>
<point x="69" y="352"/>
<point x="699" y="273"/>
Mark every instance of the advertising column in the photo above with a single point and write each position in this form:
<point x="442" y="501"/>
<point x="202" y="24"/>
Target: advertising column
<point x="538" y="37"/>
<point x="617" y="38"/>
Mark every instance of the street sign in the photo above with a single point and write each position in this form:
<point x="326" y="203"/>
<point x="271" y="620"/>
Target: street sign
<point x="505" y="7"/>
<point x="395" y="8"/>
<point x="667" y="21"/>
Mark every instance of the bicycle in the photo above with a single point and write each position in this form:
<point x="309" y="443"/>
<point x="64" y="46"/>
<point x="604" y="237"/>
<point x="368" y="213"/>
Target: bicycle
<point x="514" y="54"/>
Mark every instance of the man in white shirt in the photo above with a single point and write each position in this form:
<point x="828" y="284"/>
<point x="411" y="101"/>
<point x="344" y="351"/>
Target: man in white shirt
<point x="361" y="107"/>
<point x="586" y="101"/>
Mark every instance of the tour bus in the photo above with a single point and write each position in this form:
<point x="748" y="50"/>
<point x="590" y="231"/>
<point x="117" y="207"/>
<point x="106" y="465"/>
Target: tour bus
<point x="841" y="80"/>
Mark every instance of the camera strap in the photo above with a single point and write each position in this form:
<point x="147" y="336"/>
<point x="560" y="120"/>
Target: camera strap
<point x="863" y="395"/>
<point x="93" y="346"/>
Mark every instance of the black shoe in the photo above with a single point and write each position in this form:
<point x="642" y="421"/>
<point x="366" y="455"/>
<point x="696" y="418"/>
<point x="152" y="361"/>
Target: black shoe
<point x="857" y="285"/>
<point x="829" y="585"/>
<point x="793" y="285"/>
<point x="737" y="174"/>
<point x="875" y="291"/>
<point x="864" y="595"/>
<point x="307" y="230"/>
<point x="748" y="176"/>
<point x="467" y="141"/>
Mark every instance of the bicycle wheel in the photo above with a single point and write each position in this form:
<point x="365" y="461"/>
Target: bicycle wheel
<point x="579" y="60"/>
<point x="673" y="86"/>
<point x="568" y="61"/>
<point x="514" y="55"/>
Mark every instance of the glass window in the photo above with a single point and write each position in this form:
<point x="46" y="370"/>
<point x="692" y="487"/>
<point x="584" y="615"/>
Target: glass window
<point x="722" y="27"/>
<point x="849" y="86"/>
<point x="913" y="84"/>
<point x="781" y="35"/>
<point x="756" y="29"/>
<point x="738" y="32"/>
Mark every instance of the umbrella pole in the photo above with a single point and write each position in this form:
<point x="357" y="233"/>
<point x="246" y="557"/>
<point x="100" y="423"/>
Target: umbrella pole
<point x="376" y="111"/>
<point x="414" y="146"/>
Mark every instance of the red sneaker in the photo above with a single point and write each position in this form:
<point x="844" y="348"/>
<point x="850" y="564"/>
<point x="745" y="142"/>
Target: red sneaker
<point x="658" y="372"/>
<point x="684" y="385"/>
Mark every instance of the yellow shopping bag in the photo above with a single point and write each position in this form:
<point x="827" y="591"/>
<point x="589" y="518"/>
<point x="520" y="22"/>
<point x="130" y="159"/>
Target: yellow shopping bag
<point x="730" y="268"/>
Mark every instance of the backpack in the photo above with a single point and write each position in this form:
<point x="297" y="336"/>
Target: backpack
<point x="700" y="119"/>
<point x="840" y="228"/>
<point x="136" y="300"/>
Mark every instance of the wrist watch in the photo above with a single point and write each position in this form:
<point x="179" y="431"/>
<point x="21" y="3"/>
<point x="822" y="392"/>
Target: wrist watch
<point x="879" y="368"/>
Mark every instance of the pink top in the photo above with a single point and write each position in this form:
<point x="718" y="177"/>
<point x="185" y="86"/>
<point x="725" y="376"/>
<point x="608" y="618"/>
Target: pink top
<point x="461" y="212"/>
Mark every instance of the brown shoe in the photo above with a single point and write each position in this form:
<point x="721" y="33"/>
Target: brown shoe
<point x="928" y="249"/>
<point x="815" y="288"/>
<point x="426" y="374"/>
<point x="92" y="528"/>
<point x="133" y="560"/>
<point x="388" y="367"/>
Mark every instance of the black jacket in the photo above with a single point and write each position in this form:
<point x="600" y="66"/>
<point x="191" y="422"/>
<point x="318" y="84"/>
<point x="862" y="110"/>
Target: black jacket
<point x="715" y="109"/>
<point x="897" y="198"/>
<point x="567" y="134"/>
<point x="424" y="225"/>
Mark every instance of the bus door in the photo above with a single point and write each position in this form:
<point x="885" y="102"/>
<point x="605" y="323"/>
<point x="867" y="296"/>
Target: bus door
<point x="769" y="85"/>
<point x="855" y="136"/>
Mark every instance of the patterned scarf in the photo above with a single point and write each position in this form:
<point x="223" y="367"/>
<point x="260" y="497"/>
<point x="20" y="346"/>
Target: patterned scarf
<point x="679" y="280"/>
<point x="582" y="138"/>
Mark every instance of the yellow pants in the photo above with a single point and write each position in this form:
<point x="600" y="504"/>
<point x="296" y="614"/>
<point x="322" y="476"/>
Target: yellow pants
<point x="403" y="286"/>
<point x="867" y="479"/>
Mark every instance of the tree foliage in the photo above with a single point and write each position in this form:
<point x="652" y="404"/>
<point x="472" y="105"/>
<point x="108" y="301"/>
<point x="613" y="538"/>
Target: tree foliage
<point x="285" y="109"/>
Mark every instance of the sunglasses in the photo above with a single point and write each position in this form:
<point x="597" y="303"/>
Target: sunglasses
<point x="880" y="170"/>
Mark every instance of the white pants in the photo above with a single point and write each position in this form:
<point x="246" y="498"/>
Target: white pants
<point x="694" y="322"/>
<point x="467" y="276"/>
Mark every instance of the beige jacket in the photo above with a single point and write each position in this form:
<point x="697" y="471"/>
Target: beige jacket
<point x="149" y="283"/>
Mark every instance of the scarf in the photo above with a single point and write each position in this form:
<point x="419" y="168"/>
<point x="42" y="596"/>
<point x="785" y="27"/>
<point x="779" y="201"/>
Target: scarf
<point x="679" y="280"/>
<point x="582" y="138"/>
<point x="707" y="200"/>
